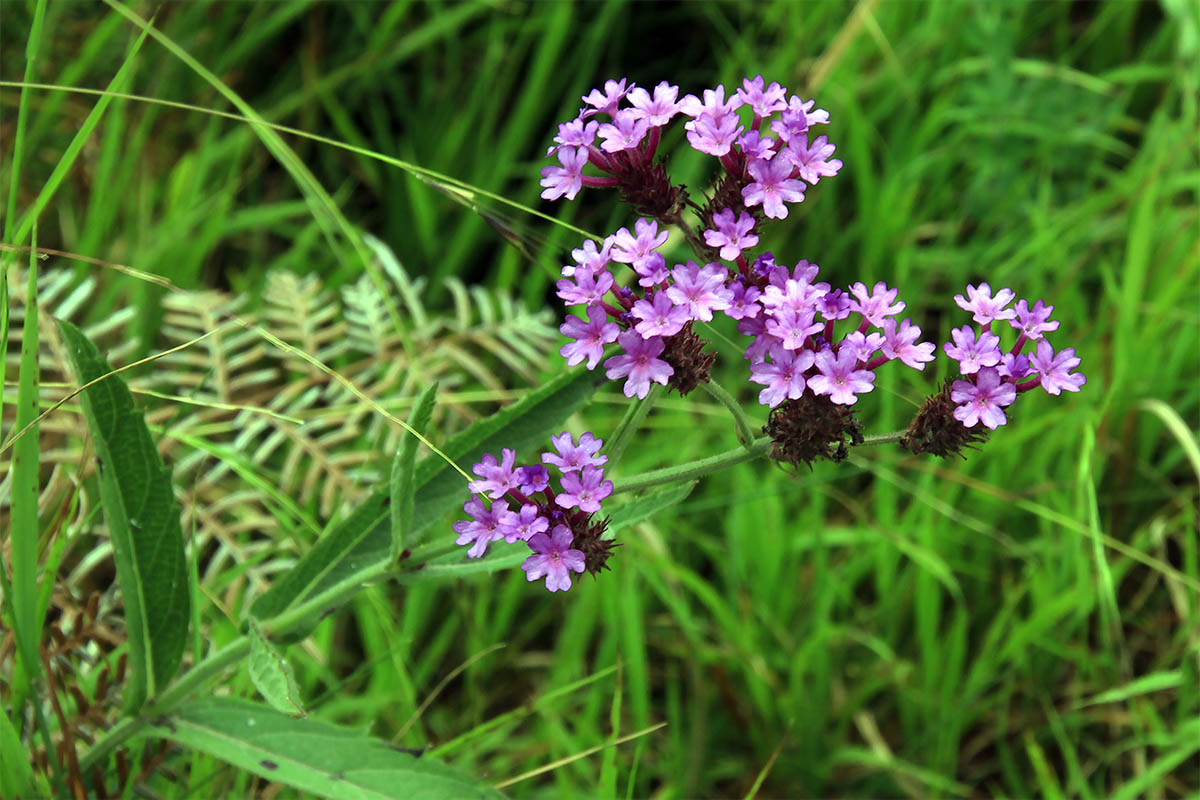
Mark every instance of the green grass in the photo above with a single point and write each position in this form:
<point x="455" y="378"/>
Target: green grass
<point x="1021" y="623"/>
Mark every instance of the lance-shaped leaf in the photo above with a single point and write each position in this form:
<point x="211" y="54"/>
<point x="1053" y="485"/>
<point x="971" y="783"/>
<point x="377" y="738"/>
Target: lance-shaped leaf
<point x="358" y="548"/>
<point x="271" y="674"/>
<point x="312" y="756"/>
<point x="404" y="479"/>
<point x="143" y="523"/>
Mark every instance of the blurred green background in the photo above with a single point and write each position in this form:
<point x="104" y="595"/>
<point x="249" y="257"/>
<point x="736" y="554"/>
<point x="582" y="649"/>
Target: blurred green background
<point x="1022" y="623"/>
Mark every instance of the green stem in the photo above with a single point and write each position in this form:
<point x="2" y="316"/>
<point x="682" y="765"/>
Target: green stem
<point x="629" y="424"/>
<point x="883" y="438"/>
<point x="745" y="433"/>
<point x="694" y="469"/>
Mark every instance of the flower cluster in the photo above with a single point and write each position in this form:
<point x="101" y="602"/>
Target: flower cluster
<point x="766" y="161"/>
<point x="651" y="323"/>
<point x="558" y="526"/>
<point x="992" y="378"/>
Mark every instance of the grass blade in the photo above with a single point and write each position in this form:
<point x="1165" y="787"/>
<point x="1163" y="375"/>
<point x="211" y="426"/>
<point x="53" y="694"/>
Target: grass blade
<point x="404" y="481"/>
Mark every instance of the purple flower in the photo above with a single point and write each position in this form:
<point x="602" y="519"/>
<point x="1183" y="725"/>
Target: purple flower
<point x="606" y="102"/>
<point x="630" y="249"/>
<point x="567" y="179"/>
<point x="525" y="524"/>
<point x="813" y="161"/>
<point x="792" y="327"/>
<point x="793" y="295"/>
<point x="764" y="102"/>
<point x="488" y="525"/>
<point x="755" y="145"/>
<point x="574" y="457"/>
<point x="971" y="353"/>
<point x="1056" y="369"/>
<point x="625" y="132"/>
<point x="1013" y="366"/>
<point x="590" y="337"/>
<point x="576" y="133"/>
<point x="902" y="343"/>
<point x="660" y="317"/>
<point x="657" y="110"/>
<point x="732" y="236"/>
<point x="584" y="489"/>
<point x="743" y="304"/>
<point x="533" y="478"/>
<point x="783" y="375"/>
<point x="840" y="377"/>
<point x="715" y="104"/>
<point x="586" y="288"/>
<point x="652" y="270"/>
<point x="985" y="307"/>
<point x="983" y="399"/>
<point x="639" y="364"/>
<point x="772" y="187"/>
<point x="761" y="343"/>
<point x="588" y="258"/>
<point x="553" y="559"/>
<point x="497" y="478"/>
<point x="862" y="345"/>
<point x="834" y="305"/>
<point x="701" y="289"/>
<point x="876" y="305"/>
<point x="818" y="117"/>
<point x="713" y="135"/>
<point x="1033" y="322"/>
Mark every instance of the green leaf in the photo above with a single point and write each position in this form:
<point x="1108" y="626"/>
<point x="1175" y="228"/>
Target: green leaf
<point x="143" y="522"/>
<point x="16" y="777"/>
<point x="358" y="548"/>
<point x="1154" y="682"/>
<point x="272" y="675"/>
<point x="404" y="479"/>
<point x="312" y="756"/>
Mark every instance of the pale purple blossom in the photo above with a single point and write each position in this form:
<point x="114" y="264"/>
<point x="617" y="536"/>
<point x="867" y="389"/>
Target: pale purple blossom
<point x="743" y="302"/>
<point x="651" y="270"/>
<point x="576" y="133"/>
<point x="553" y="558"/>
<point x="755" y="145"/>
<point x="715" y="104"/>
<point x="625" y="132"/>
<point x="792" y="327"/>
<point x="773" y="186"/>
<point x="496" y="477"/>
<point x="1055" y="369"/>
<point x="813" y="161"/>
<point x="732" y="236"/>
<point x="526" y="524"/>
<point x="701" y="289"/>
<point x="983" y="306"/>
<point x="573" y="457"/>
<point x="533" y="478"/>
<point x="584" y="287"/>
<point x="973" y="354"/>
<point x="834" y="305"/>
<point x="590" y="337"/>
<point x="783" y="375"/>
<point x="861" y="344"/>
<point x="486" y="526"/>
<point x="659" y="109"/>
<point x="606" y="102"/>
<point x="764" y="102"/>
<point x="760" y="341"/>
<point x="1013" y="366"/>
<point x="794" y="295"/>
<point x="983" y="400"/>
<point x="1035" y="321"/>
<point x="901" y="342"/>
<point x="567" y="179"/>
<point x="840" y="377"/>
<point x="629" y="248"/>
<point x="639" y="364"/>
<point x="589" y="257"/>
<point x="660" y="316"/>
<point x="584" y="489"/>
<point x="713" y="135"/>
<point x="876" y="305"/>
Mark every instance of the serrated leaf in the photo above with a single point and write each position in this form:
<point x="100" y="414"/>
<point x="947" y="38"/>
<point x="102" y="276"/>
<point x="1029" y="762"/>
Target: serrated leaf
<point x="357" y="549"/>
<point x="404" y="479"/>
<point x="312" y="756"/>
<point x="272" y="675"/>
<point x="143" y="523"/>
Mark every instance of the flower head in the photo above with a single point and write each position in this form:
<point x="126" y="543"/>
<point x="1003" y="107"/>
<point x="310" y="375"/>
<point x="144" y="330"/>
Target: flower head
<point x="659" y="316"/>
<point x="876" y="305"/>
<point x="1033" y="322"/>
<point x="840" y="377"/>
<point x="701" y="289"/>
<point x="657" y="110"/>
<point x="972" y="354"/>
<point x="783" y="375"/>
<point x="606" y="102"/>
<point x="553" y="558"/>
<point x="486" y="525"/>
<point x="497" y="477"/>
<point x="1055" y="369"/>
<point x="985" y="307"/>
<point x="566" y="179"/>
<point x="590" y="337"/>
<point x="983" y="400"/>
<point x="732" y="236"/>
<point x="639" y="364"/>
<point x="573" y="457"/>
<point x="584" y="489"/>
<point x="773" y="186"/>
<point x="812" y="161"/>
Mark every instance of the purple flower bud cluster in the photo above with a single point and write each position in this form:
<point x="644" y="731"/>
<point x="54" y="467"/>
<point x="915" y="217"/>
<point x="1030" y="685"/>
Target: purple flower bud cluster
<point x="993" y="378"/>
<point x="643" y="321"/>
<point x="768" y="171"/>
<point x="793" y="319"/>
<point x="558" y="526"/>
